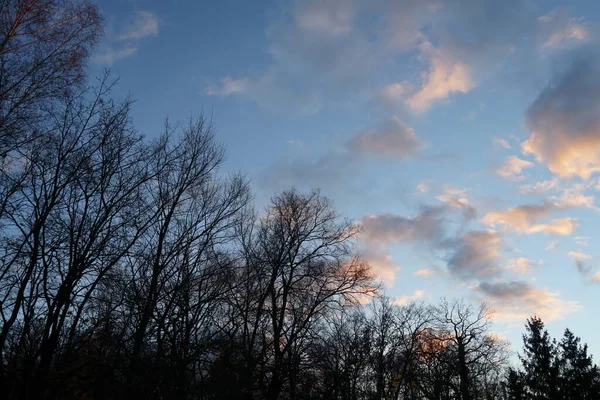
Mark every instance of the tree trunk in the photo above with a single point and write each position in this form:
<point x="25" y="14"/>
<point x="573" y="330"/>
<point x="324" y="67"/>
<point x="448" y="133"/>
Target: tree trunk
<point x="463" y="371"/>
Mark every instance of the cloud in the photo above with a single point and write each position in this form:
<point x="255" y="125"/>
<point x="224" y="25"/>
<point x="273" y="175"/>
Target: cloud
<point x="393" y="138"/>
<point x="126" y="43"/>
<point x="578" y="255"/>
<point x="574" y="197"/>
<point x="539" y="187"/>
<point x="394" y="93"/>
<point x="425" y="272"/>
<point x="406" y="299"/>
<point x="382" y="265"/>
<point x="330" y="17"/>
<point x="596" y="277"/>
<point x="564" y="122"/>
<point x="228" y="86"/>
<point x="322" y="51"/>
<point x="422" y="187"/>
<point x="525" y="220"/>
<point x="502" y="143"/>
<point x="144" y="24"/>
<point x="582" y="240"/>
<point x="517" y="300"/>
<point x="512" y="168"/>
<point x="318" y="58"/>
<point x="109" y="55"/>
<point x="583" y="263"/>
<point x="475" y="255"/>
<point x="557" y="30"/>
<point x="445" y="77"/>
<point x="522" y="265"/>
<point x="457" y="198"/>
<point x="425" y="226"/>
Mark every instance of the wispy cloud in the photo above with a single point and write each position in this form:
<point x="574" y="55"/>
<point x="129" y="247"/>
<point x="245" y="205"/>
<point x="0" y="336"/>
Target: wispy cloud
<point x="109" y="55"/>
<point x="332" y="18"/>
<point x="513" y="167"/>
<point x="525" y="219"/>
<point x="517" y="300"/>
<point x="505" y="144"/>
<point x="445" y="77"/>
<point x="406" y="299"/>
<point x="125" y="44"/>
<point x="227" y="86"/>
<point x="522" y="266"/>
<point x="457" y="198"/>
<point x="557" y="29"/>
<point x="143" y="25"/>
<point x="539" y="187"/>
<point x="391" y="140"/>
<point x="422" y="187"/>
<point x="425" y="272"/>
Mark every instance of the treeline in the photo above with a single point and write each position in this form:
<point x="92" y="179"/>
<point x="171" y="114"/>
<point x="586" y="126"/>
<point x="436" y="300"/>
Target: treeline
<point x="133" y="268"/>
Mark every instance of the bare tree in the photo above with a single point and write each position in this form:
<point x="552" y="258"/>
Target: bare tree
<point x="467" y="331"/>
<point x="70" y="223"/>
<point x="300" y="268"/>
<point x="177" y="262"/>
<point x="43" y="48"/>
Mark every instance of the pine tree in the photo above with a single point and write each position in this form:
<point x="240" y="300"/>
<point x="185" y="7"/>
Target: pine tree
<point x="539" y="361"/>
<point x="579" y="377"/>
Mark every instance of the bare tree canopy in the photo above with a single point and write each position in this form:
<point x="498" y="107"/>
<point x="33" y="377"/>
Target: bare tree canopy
<point x="44" y="45"/>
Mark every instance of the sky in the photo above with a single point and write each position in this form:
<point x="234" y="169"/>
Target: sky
<point x="462" y="135"/>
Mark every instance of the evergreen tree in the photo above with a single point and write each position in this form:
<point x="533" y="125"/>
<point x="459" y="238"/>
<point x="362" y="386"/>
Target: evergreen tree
<point x="539" y="361"/>
<point x="579" y="377"/>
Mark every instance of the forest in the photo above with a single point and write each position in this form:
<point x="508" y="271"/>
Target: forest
<point x="133" y="267"/>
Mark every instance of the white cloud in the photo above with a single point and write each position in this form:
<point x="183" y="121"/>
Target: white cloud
<point x="574" y="197"/>
<point x="109" y="55"/>
<point x="502" y="143"/>
<point x="228" y="86"/>
<point x="425" y="272"/>
<point x="579" y="255"/>
<point x="512" y="168"/>
<point x="445" y="77"/>
<point x="144" y="24"/>
<point x="522" y="265"/>
<point x="126" y="44"/>
<point x="557" y="29"/>
<point x="457" y="198"/>
<point x="382" y="265"/>
<point x="539" y="187"/>
<point x="406" y="299"/>
<point x="525" y="219"/>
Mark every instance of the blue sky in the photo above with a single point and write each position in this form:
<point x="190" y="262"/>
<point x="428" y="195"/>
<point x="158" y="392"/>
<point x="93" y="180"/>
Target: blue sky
<point x="463" y="135"/>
